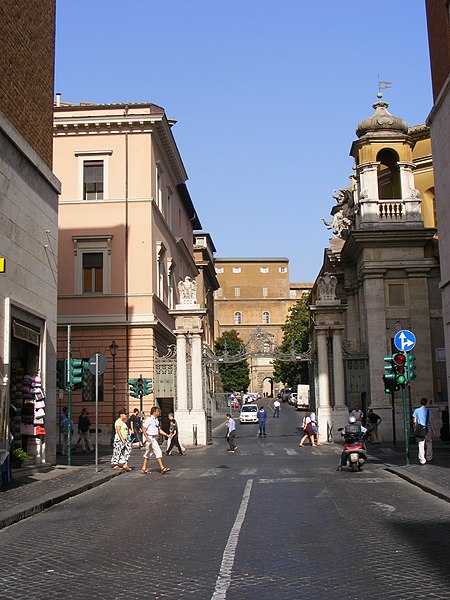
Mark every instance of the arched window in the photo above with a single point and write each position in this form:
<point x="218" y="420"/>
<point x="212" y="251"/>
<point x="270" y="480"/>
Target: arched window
<point x="237" y="318"/>
<point x="266" y="318"/>
<point x="388" y="175"/>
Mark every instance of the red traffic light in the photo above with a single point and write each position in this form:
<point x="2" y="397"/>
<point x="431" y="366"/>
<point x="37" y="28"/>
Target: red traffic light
<point x="140" y="384"/>
<point x="399" y="359"/>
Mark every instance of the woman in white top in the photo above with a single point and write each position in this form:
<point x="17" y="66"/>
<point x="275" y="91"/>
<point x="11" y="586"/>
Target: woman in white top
<point x="308" y="430"/>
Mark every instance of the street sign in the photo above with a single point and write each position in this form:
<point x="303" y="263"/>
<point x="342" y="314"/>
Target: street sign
<point x="404" y="340"/>
<point x="102" y="362"/>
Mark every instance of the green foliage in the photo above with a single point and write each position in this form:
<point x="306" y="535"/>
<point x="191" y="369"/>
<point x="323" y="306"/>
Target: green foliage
<point x="234" y="376"/>
<point x="20" y="455"/>
<point x="295" y="335"/>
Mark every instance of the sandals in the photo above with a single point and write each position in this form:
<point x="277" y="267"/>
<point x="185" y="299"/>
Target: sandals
<point x="126" y="468"/>
<point x="117" y="468"/>
<point x="165" y="470"/>
<point x="145" y="471"/>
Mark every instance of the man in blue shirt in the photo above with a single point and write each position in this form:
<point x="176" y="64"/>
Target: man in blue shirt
<point x="424" y="416"/>
<point x="231" y="431"/>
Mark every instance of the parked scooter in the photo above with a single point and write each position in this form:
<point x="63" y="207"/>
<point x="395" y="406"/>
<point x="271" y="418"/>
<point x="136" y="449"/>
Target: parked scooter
<point x="354" y="454"/>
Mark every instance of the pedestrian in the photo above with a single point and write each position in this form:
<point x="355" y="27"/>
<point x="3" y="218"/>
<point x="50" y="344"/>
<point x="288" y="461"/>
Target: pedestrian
<point x="151" y="430"/>
<point x="308" y="431"/>
<point x="231" y="432"/>
<point x="373" y="420"/>
<point x="315" y="427"/>
<point x="64" y="428"/>
<point x="173" y="434"/>
<point x="262" y="416"/>
<point x="84" y="424"/>
<point x="276" y="408"/>
<point x="135" y="425"/>
<point x="122" y="444"/>
<point x="357" y="413"/>
<point x="445" y="433"/>
<point x="424" y="431"/>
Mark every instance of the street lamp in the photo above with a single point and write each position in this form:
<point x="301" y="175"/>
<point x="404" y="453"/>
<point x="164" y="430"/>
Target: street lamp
<point x="113" y="350"/>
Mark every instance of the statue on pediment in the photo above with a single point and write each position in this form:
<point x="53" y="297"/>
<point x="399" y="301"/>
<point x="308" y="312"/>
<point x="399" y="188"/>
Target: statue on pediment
<point x="188" y="291"/>
<point x="343" y="212"/>
<point x="326" y="287"/>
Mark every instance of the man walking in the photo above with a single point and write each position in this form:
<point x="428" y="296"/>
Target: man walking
<point x="276" y="408"/>
<point x="151" y="430"/>
<point x="231" y="431"/>
<point x="424" y="417"/>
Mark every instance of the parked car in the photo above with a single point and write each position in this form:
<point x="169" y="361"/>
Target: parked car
<point x="249" y="413"/>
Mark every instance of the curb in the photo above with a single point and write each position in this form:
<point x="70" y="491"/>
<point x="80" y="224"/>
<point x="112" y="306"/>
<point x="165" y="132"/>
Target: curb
<point x="32" y="508"/>
<point x="423" y="484"/>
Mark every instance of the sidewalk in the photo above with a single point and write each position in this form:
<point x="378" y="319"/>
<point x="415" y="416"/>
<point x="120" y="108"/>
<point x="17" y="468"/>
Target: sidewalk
<point x="434" y="477"/>
<point x="32" y="490"/>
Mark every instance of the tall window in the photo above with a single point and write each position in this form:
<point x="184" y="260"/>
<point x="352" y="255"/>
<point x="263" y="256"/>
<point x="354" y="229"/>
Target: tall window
<point x="92" y="272"/>
<point x="93" y="180"/>
<point x="159" y="188"/>
<point x="160" y="269"/>
<point x="92" y="264"/>
<point x="237" y="291"/>
<point x="237" y="318"/>
<point x="265" y="292"/>
<point x="266" y="318"/>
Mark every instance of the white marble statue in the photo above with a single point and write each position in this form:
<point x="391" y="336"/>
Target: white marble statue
<point x="326" y="286"/>
<point x="188" y="291"/>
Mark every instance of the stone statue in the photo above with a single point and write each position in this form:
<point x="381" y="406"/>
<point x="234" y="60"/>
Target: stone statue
<point x="188" y="291"/>
<point x="326" y="287"/>
<point x="343" y="212"/>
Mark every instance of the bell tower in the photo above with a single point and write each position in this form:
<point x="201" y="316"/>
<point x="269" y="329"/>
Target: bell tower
<point x="386" y="194"/>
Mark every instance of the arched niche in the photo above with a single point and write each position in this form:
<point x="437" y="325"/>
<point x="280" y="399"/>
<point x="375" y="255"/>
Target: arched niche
<point x="389" y="187"/>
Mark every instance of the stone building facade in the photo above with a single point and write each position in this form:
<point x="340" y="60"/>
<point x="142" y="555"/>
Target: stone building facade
<point x="380" y="275"/>
<point x="28" y="229"/>
<point x="438" y="18"/>
<point x="255" y="293"/>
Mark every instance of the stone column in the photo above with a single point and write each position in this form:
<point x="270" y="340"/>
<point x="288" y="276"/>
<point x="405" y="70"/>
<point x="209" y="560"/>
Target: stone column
<point x="338" y="370"/>
<point x="197" y="375"/>
<point x="324" y="408"/>
<point x="182" y="395"/>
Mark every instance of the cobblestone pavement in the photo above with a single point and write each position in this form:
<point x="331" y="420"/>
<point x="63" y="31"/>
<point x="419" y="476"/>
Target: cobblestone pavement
<point x="306" y="530"/>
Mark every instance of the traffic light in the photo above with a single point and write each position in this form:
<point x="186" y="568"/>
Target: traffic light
<point x="400" y="368"/>
<point x="61" y="374"/>
<point x="140" y="386"/>
<point x="389" y="379"/>
<point x="410" y="366"/>
<point x="77" y="368"/>
<point x="133" y="388"/>
<point x="148" y="386"/>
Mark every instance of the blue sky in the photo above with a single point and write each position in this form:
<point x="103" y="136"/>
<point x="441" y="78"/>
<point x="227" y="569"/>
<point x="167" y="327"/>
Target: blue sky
<point x="267" y="96"/>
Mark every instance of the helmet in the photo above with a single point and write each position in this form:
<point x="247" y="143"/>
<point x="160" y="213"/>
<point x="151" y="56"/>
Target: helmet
<point x="352" y="419"/>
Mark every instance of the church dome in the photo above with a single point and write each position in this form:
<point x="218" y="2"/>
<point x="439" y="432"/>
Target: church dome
<point x="381" y="121"/>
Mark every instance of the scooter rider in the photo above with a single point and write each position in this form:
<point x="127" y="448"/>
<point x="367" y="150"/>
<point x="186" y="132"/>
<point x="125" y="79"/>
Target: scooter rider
<point x="354" y="431"/>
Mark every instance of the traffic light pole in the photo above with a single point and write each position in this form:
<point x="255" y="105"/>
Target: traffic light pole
<point x="69" y="400"/>
<point x="405" y="424"/>
<point x="394" y="434"/>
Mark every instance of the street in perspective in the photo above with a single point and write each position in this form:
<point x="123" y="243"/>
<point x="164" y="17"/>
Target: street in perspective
<point x="270" y="520"/>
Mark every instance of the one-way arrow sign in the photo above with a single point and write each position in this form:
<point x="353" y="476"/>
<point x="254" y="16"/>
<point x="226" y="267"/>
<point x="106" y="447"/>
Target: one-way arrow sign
<point x="404" y="340"/>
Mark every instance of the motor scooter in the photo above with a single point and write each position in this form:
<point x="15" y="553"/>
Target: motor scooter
<point x="354" y="453"/>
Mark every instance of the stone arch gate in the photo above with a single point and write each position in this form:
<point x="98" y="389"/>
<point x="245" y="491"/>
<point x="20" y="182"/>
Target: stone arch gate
<point x="167" y="378"/>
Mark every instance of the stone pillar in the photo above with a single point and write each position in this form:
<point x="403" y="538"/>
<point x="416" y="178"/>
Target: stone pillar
<point x="340" y="412"/>
<point x="197" y="374"/>
<point x="324" y="408"/>
<point x="182" y="395"/>
<point x="368" y="191"/>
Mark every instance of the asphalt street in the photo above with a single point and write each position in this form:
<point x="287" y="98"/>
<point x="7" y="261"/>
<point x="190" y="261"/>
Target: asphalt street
<point x="271" y="521"/>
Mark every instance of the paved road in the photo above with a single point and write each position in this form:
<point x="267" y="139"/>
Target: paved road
<point x="271" y="521"/>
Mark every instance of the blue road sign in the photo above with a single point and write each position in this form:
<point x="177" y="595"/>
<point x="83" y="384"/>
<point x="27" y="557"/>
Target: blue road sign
<point x="404" y="340"/>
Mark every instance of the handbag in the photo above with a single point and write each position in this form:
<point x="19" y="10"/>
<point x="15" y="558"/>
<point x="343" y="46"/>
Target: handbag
<point x="420" y="431"/>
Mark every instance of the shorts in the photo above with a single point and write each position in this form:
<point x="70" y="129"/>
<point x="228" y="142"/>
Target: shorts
<point x="153" y="446"/>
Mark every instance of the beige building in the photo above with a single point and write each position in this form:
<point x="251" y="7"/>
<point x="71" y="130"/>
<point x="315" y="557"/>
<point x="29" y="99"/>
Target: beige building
<point x="255" y="293"/>
<point x="126" y="224"/>
<point x="380" y="275"/>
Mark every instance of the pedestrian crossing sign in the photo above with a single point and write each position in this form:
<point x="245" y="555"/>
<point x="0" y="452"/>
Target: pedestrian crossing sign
<point x="2" y="265"/>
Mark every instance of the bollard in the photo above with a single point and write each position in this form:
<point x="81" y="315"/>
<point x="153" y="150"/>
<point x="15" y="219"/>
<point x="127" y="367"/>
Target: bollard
<point x="194" y="434"/>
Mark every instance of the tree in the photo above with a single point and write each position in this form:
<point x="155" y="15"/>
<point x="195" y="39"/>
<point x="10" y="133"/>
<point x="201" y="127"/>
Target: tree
<point x="235" y="376"/>
<point x="295" y="334"/>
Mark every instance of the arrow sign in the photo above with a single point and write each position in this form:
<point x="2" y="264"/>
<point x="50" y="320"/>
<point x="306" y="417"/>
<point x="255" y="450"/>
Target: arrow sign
<point x="404" y="340"/>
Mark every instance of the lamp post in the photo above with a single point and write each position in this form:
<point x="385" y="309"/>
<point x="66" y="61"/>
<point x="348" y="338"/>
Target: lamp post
<point x="113" y="350"/>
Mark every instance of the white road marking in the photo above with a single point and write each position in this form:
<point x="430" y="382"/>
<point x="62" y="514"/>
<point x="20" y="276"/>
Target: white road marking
<point x="287" y="471"/>
<point x="224" y="578"/>
<point x="386" y="508"/>
<point x="208" y="473"/>
<point x="291" y="452"/>
<point x="325" y="493"/>
<point x="286" y="480"/>
<point x="248" y="472"/>
<point x="268" y="452"/>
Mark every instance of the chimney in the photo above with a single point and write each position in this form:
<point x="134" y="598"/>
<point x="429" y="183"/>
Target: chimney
<point x="58" y="98"/>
